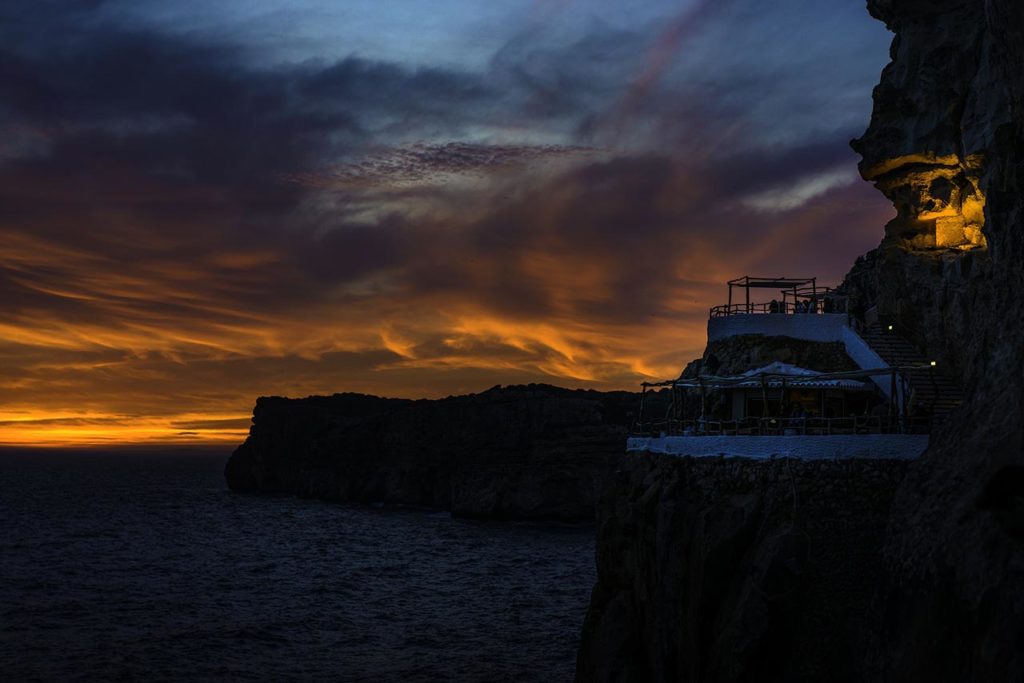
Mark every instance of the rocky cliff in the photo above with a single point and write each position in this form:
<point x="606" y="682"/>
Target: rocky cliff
<point x="943" y="146"/>
<point x="950" y="107"/>
<point x="530" y="452"/>
<point x="702" y="577"/>
<point x="736" y="570"/>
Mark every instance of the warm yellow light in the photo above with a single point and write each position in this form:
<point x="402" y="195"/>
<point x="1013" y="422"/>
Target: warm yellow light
<point x="890" y="328"/>
<point x="43" y="429"/>
<point x="932" y="364"/>
<point x="938" y="198"/>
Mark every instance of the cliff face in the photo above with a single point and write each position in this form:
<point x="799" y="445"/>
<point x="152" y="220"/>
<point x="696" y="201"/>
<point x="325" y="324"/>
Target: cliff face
<point x="949" y="107"/>
<point x="704" y="575"/>
<point x="531" y="452"/>
<point x="943" y="145"/>
<point x="736" y="570"/>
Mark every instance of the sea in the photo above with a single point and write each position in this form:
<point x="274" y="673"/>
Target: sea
<point x="128" y="566"/>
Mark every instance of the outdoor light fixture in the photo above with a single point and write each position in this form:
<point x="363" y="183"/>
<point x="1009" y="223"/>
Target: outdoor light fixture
<point x="932" y="364"/>
<point x="890" y="328"/>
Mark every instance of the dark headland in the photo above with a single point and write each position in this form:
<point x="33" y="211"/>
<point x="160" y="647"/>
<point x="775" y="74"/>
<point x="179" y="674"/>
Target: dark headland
<point x="734" y="570"/>
<point x="525" y="452"/>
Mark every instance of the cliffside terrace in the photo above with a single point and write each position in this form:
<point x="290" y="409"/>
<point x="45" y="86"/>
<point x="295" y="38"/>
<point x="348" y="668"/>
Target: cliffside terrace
<point x="785" y="400"/>
<point x="798" y="308"/>
<point x="798" y="296"/>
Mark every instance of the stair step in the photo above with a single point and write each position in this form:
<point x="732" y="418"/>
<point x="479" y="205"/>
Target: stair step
<point x="930" y="388"/>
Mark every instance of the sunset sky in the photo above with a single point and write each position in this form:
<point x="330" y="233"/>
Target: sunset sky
<point x="205" y="202"/>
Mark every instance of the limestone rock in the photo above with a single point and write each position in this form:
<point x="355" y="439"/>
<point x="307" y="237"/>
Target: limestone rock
<point x="952" y="604"/>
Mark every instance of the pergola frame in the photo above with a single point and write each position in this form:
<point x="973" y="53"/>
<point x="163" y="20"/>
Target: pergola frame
<point x="787" y="285"/>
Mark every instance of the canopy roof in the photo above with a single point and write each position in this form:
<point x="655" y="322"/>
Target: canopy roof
<point x="772" y="282"/>
<point x="776" y="374"/>
<point x="782" y="369"/>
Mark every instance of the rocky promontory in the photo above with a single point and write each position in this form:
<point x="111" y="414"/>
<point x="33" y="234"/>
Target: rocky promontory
<point x="522" y="452"/>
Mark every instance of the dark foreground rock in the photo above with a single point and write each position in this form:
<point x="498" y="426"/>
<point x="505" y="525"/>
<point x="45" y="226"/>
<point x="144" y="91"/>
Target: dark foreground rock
<point x="951" y="107"/>
<point x="530" y="452"/>
<point x="737" y="570"/>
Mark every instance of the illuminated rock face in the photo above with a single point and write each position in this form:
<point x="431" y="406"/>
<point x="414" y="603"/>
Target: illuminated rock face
<point x="946" y="146"/>
<point x="935" y="147"/>
<point x="938" y="110"/>
<point x="939" y="203"/>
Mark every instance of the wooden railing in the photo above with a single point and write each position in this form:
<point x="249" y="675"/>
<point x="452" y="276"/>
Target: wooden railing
<point x="780" y="307"/>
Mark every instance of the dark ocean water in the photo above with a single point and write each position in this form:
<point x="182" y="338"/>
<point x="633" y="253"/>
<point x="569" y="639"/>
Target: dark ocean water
<point x="125" y="567"/>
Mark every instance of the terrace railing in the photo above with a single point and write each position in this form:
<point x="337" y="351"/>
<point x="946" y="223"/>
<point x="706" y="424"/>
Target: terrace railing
<point x="781" y="307"/>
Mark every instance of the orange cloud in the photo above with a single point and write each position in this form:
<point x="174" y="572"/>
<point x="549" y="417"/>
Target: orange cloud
<point x="38" y="428"/>
<point x="596" y="274"/>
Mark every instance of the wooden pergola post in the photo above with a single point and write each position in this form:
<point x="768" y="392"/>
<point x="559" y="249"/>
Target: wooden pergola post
<point x="671" y="408"/>
<point x="764" y="396"/>
<point x="904" y="404"/>
<point x="782" y="400"/>
<point x="640" y="417"/>
<point x="703" y="397"/>
<point x="682" y="407"/>
<point x="894" y="395"/>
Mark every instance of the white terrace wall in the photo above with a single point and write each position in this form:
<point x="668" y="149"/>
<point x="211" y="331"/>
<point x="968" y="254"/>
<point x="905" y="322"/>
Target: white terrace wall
<point x="866" y="359"/>
<point x="827" y="327"/>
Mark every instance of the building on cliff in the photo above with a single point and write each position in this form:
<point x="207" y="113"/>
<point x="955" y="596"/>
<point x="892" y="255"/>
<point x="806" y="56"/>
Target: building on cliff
<point x="860" y="390"/>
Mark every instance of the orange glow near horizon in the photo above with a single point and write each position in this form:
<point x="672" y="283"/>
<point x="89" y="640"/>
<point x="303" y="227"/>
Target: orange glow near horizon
<point x="41" y="429"/>
<point x="125" y="397"/>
